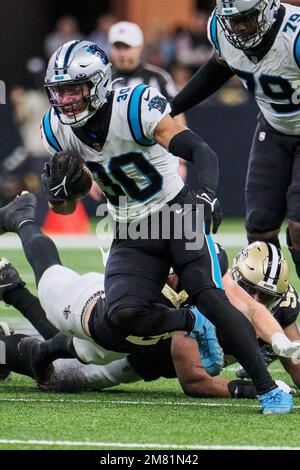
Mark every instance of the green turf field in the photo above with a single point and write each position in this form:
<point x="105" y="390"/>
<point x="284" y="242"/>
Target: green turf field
<point x="143" y="415"/>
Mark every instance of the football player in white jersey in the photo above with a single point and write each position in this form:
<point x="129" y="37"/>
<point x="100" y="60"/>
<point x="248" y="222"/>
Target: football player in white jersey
<point x="178" y="355"/>
<point x="259" y="41"/>
<point x="129" y="140"/>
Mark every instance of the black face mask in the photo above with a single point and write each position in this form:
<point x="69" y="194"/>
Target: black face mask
<point x="270" y="301"/>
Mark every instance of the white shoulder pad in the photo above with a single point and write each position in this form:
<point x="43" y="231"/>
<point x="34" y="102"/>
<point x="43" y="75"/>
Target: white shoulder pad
<point x="48" y="132"/>
<point x="146" y="108"/>
<point x="212" y="32"/>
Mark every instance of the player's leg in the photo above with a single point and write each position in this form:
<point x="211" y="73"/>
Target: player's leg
<point x="77" y="375"/>
<point x="135" y="274"/>
<point x="64" y="294"/>
<point x="15" y="360"/>
<point x="200" y="276"/>
<point x="268" y="178"/>
<point x="73" y="376"/>
<point x="19" y="217"/>
<point x="238" y="336"/>
<point x="293" y="212"/>
<point x="13" y="292"/>
<point x="37" y="356"/>
<point x="144" y="364"/>
<point x="5" y="331"/>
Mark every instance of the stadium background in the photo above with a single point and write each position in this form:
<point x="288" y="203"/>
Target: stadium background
<point x="226" y="121"/>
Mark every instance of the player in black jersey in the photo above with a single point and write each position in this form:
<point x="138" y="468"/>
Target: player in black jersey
<point x="178" y="356"/>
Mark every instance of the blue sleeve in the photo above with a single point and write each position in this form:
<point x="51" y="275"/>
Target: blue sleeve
<point x="297" y="50"/>
<point x="213" y="33"/>
<point x="49" y="134"/>
<point x="134" y="116"/>
<point x="223" y="258"/>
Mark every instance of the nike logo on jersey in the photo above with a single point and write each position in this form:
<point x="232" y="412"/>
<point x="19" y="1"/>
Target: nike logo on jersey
<point x="146" y="98"/>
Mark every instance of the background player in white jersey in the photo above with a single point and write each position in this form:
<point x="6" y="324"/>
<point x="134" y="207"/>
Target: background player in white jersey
<point x="259" y="41"/>
<point x="129" y="141"/>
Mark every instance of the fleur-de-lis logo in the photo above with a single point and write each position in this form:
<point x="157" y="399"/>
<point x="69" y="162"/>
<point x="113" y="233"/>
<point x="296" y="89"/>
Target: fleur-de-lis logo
<point x="67" y="312"/>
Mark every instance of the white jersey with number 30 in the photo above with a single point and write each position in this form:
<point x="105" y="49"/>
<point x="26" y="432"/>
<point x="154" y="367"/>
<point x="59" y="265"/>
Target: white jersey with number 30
<point x="275" y="79"/>
<point x="130" y="165"/>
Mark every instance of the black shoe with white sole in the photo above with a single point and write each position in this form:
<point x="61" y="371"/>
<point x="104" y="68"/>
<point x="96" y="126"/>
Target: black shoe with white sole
<point x="18" y="212"/>
<point x="4" y="371"/>
<point x="42" y="371"/>
<point x="9" y="277"/>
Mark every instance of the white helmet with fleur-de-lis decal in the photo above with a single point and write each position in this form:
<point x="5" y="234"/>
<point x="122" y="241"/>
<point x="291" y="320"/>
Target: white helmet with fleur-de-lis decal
<point x="261" y="267"/>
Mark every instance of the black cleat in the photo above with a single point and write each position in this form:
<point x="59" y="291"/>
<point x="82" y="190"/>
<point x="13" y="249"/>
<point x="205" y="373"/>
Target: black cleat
<point x="9" y="277"/>
<point x="42" y="371"/>
<point x="22" y="209"/>
<point x="4" y="331"/>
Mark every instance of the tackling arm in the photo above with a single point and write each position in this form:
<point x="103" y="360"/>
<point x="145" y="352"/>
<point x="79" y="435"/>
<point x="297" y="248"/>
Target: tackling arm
<point x="292" y="367"/>
<point x="193" y="378"/>
<point x="267" y="328"/>
<point x="190" y="371"/>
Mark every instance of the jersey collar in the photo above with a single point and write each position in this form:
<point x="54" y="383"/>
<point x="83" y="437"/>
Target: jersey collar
<point x="94" y="132"/>
<point x="256" y="54"/>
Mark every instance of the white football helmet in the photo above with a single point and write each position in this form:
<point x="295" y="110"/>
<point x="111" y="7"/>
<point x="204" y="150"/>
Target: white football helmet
<point x="255" y="16"/>
<point x="74" y="64"/>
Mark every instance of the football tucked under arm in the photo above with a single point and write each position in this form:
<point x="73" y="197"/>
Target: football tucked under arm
<point x="66" y="179"/>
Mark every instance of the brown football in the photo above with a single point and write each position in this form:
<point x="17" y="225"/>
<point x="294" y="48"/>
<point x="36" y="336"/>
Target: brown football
<point x="82" y="186"/>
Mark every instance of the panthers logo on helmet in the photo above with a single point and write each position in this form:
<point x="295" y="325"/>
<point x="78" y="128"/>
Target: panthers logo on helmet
<point x="158" y="102"/>
<point x="94" y="49"/>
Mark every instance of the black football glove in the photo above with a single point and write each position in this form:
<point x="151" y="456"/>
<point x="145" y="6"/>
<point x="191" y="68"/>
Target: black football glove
<point x="59" y="175"/>
<point x="212" y="210"/>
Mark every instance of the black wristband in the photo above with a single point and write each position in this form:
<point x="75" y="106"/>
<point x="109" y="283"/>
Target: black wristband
<point x="242" y="389"/>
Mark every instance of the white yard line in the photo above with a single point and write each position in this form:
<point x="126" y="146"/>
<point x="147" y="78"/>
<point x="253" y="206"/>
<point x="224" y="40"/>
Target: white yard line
<point x="131" y="402"/>
<point x="12" y="242"/>
<point x="228" y="240"/>
<point x="91" y="241"/>
<point x="232" y="369"/>
<point x="139" y="445"/>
